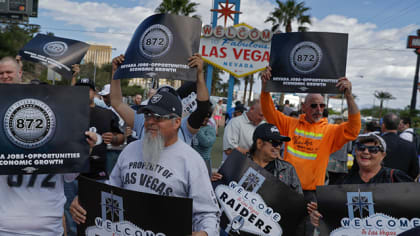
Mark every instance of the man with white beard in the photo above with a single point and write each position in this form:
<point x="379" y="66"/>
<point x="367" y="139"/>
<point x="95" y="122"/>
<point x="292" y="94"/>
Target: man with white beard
<point x="161" y="163"/>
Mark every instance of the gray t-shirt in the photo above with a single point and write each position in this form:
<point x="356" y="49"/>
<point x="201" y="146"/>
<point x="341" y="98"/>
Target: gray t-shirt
<point x="180" y="172"/>
<point x="32" y="204"/>
<point x="183" y="133"/>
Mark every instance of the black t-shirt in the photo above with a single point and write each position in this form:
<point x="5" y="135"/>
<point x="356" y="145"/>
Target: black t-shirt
<point x="136" y="107"/>
<point x="103" y="120"/>
<point x="385" y="175"/>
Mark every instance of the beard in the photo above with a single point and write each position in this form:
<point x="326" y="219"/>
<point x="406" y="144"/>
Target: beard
<point x="152" y="147"/>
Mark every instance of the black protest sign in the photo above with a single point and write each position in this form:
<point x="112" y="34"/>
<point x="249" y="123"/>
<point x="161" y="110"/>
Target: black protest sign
<point x="43" y="129"/>
<point x="116" y="211"/>
<point x="254" y="202"/>
<point x="308" y="62"/>
<point x="369" y="209"/>
<point x="160" y="48"/>
<point x="59" y="54"/>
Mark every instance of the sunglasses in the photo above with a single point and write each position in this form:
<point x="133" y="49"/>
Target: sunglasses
<point x="274" y="143"/>
<point x="315" y="105"/>
<point x="371" y="149"/>
<point x="157" y="117"/>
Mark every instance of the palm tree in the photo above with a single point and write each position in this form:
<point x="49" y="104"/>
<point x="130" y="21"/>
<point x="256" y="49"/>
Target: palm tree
<point x="216" y="80"/>
<point x="284" y="14"/>
<point x="246" y="80"/>
<point x="382" y="96"/>
<point x="287" y="12"/>
<point x="178" y="7"/>
<point x="251" y="84"/>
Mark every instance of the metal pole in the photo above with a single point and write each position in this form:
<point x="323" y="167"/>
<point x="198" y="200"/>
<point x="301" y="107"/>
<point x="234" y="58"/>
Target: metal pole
<point x="416" y="80"/>
<point x="231" y="79"/>
<point x="94" y="69"/>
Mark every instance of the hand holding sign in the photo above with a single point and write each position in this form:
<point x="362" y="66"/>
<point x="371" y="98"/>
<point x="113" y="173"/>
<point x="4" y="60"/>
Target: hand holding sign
<point x="77" y="212"/>
<point x="196" y="61"/>
<point x="344" y="85"/>
<point x="266" y="75"/>
<point x="116" y="62"/>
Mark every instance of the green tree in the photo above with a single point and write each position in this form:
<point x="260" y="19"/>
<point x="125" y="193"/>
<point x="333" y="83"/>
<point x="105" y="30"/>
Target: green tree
<point x="251" y="85"/>
<point x="382" y="96"/>
<point x="13" y="37"/>
<point x="285" y="13"/>
<point x="246" y="81"/>
<point x="178" y="7"/>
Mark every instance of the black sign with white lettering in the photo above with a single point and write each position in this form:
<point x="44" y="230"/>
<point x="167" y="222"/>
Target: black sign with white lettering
<point x="43" y="130"/>
<point x="59" y="54"/>
<point x="116" y="211"/>
<point x="369" y="209"/>
<point x="160" y="48"/>
<point x="254" y="202"/>
<point x="308" y="62"/>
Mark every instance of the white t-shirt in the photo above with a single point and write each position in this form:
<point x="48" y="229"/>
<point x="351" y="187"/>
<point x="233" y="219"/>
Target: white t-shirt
<point x="238" y="133"/>
<point x="407" y="134"/>
<point x="32" y="204"/>
<point x="180" y="172"/>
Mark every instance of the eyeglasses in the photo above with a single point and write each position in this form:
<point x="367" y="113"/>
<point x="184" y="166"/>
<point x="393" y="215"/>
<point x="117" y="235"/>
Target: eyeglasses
<point x="274" y="143"/>
<point x="315" y="105"/>
<point x="371" y="149"/>
<point x="157" y="117"/>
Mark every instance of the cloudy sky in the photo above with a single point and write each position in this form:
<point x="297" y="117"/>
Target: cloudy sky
<point x="378" y="30"/>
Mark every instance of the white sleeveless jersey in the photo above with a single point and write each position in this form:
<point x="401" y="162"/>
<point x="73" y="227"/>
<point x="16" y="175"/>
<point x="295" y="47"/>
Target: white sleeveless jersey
<point x="32" y="204"/>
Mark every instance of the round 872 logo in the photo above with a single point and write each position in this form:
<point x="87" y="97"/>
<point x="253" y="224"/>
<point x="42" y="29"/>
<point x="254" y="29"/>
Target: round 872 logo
<point x="305" y="57"/>
<point x="155" y="41"/>
<point x="29" y="123"/>
<point x="56" y="48"/>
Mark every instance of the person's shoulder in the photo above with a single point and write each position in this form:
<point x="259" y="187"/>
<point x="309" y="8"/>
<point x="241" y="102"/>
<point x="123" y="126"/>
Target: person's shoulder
<point x="284" y="163"/>
<point x="100" y="109"/>
<point x="132" y="147"/>
<point x="181" y="145"/>
<point x="105" y="112"/>
<point x="184" y="151"/>
<point x="396" y="175"/>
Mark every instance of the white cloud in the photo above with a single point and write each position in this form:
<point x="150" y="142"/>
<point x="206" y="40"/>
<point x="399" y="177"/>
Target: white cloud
<point x="387" y="70"/>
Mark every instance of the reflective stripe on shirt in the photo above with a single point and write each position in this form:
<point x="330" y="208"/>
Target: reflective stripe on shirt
<point x="300" y="154"/>
<point x="308" y="134"/>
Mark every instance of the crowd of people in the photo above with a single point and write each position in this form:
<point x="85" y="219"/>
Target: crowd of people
<point x="303" y="151"/>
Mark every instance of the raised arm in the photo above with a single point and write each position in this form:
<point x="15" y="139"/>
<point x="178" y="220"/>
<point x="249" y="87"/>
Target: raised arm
<point x="271" y="114"/>
<point x="116" y="95"/>
<point x="76" y="70"/>
<point x="196" y="119"/>
<point x="344" y="85"/>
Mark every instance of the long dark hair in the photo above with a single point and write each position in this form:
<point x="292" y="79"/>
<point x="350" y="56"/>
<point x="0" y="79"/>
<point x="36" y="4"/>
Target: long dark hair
<point x="253" y="148"/>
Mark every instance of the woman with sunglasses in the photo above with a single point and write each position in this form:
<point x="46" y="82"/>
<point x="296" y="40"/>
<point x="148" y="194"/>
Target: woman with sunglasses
<point x="265" y="151"/>
<point x="370" y="152"/>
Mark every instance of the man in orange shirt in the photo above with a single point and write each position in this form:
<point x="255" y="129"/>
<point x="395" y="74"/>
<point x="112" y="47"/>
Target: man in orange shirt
<point x="313" y="139"/>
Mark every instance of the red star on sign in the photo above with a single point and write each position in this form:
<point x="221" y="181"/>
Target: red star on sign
<point x="226" y="11"/>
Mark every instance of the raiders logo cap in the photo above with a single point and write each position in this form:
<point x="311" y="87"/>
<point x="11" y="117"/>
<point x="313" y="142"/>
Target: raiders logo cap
<point x="269" y="132"/>
<point x="163" y="103"/>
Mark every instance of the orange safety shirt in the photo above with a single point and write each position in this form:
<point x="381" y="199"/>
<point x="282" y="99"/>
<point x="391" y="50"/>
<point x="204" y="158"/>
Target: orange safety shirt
<point x="311" y="143"/>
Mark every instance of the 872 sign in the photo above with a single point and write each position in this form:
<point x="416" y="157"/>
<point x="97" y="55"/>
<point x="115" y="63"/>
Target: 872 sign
<point x="29" y="123"/>
<point x="155" y="41"/>
<point x="305" y="57"/>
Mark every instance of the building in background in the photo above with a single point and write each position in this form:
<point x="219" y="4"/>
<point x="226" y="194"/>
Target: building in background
<point x="147" y="83"/>
<point x="98" y="55"/>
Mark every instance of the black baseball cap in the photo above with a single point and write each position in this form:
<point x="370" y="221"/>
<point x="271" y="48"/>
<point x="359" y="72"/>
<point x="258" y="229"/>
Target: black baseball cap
<point x="269" y="132"/>
<point x="86" y="82"/>
<point x="169" y="89"/>
<point x="163" y="103"/>
<point x="240" y="108"/>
